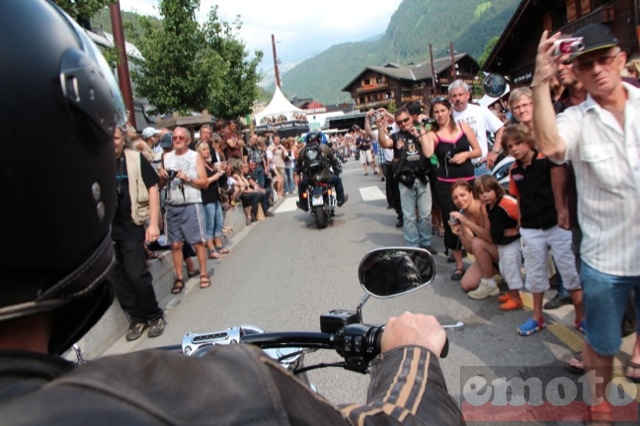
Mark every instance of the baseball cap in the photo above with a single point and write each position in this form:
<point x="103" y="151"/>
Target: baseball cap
<point x="415" y="108"/>
<point x="165" y="141"/>
<point x="148" y="132"/>
<point x="596" y="37"/>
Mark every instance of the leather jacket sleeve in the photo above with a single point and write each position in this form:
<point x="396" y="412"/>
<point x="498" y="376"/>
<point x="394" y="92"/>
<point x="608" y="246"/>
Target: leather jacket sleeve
<point x="407" y="387"/>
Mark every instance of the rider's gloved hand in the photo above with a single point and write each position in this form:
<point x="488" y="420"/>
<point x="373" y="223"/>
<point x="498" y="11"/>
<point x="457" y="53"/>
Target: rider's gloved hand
<point x="413" y="329"/>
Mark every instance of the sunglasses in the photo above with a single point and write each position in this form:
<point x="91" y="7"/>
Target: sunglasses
<point x="600" y="60"/>
<point x="438" y="99"/>
<point x="400" y="122"/>
<point x="180" y="138"/>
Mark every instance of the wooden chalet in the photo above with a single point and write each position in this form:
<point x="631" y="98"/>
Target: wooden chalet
<point x="377" y="87"/>
<point x="514" y="53"/>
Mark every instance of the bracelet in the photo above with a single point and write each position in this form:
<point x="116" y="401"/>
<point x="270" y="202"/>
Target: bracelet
<point x="493" y="151"/>
<point x="543" y="80"/>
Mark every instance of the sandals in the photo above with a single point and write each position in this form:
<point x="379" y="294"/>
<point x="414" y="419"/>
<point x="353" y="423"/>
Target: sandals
<point x="576" y="364"/>
<point x="457" y="274"/>
<point x="178" y="286"/>
<point x="215" y="255"/>
<point x="193" y="273"/>
<point x="223" y="250"/>
<point x="205" y="281"/>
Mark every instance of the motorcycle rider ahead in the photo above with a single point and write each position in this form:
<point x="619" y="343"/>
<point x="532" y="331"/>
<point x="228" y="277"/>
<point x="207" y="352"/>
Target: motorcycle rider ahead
<point x="316" y="168"/>
<point x="48" y="302"/>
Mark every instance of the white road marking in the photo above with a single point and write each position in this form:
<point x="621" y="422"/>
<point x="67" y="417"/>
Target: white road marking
<point x="372" y="193"/>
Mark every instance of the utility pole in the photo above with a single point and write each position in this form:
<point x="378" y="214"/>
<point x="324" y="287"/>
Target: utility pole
<point x="275" y="60"/>
<point x="453" y="62"/>
<point x="123" y="66"/>
<point x="433" y="72"/>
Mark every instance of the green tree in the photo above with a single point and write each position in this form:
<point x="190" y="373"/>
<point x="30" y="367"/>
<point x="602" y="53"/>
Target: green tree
<point x="172" y="75"/>
<point x="82" y="9"/>
<point x="234" y="77"/>
<point x="487" y="51"/>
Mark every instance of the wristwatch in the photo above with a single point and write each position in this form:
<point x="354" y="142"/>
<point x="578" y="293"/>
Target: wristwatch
<point x="493" y="151"/>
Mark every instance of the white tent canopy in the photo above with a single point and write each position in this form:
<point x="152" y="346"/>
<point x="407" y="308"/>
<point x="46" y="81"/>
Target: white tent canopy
<point x="279" y="109"/>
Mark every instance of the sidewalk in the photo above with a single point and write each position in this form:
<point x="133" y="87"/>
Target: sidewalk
<point x="114" y="323"/>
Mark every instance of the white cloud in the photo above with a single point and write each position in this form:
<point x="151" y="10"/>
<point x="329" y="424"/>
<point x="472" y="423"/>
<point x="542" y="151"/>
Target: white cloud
<point x="301" y="28"/>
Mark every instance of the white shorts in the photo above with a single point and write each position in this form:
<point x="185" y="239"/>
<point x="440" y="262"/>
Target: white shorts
<point x="537" y="243"/>
<point x="511" y="264"/>
<point x="366" y="157"/>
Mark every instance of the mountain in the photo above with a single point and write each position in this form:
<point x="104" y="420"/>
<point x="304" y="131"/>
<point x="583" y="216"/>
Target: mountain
<point x="469" y="24"/>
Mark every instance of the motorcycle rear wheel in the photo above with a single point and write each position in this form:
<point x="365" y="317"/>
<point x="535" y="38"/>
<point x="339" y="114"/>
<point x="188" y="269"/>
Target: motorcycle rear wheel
<point x="321" y="218"/>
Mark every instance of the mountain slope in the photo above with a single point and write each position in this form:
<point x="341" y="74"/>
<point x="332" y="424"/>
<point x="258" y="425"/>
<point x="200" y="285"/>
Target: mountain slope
<point x="470" y="24"/>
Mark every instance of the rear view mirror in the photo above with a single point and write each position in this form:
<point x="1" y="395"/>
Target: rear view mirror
<point x="392" y="271"/>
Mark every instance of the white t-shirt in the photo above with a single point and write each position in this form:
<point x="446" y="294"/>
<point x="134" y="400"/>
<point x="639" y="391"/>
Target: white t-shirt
<point x="481" y="120"/>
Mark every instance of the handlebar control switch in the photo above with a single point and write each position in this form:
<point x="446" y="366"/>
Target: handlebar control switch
<point x="358" y="344"/>
<point x="335" y="319"/>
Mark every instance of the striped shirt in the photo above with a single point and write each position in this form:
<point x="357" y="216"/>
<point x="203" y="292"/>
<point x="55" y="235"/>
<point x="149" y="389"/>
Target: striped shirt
<point x="606" y="161"/>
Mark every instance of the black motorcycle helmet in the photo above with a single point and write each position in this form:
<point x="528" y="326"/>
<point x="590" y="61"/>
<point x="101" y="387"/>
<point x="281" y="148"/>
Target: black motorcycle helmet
<point x="313" y="137"/>
<point x="60" y="106"/>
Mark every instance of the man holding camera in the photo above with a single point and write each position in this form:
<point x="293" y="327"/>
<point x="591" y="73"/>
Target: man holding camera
<point x="601" y="138"/>
<point x="186" y="174"/>
<point x="411" y="150"/>
<point x="363" y="144"/>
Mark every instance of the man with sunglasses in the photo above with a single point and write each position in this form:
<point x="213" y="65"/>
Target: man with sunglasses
<point x="601" y="138"/>
<point x="412" y="149"/>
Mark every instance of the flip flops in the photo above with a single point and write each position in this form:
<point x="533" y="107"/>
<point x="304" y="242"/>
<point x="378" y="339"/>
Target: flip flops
<point x="457" y="274"/>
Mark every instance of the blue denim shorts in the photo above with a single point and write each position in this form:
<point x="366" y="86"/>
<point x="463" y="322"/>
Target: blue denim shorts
<point x="605" y="299"/>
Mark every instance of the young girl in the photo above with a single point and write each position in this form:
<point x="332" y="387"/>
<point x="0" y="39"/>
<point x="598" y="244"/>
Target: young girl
<point x="503" y="217"/>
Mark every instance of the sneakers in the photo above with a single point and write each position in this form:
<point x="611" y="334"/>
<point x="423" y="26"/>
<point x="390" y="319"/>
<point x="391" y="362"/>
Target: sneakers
<point x="135" y="331"/>
<point x="344" y="200"/>
<point x="580" y="326"/>
<point x="269" y="214"/>
<point x="530" y="327"/>
<point x="483" y="291"/>
<point x="511" y="305"/>
<point x="504" y="298"/>
<point x="156" y="328"/>
<point x="556" y="302"/>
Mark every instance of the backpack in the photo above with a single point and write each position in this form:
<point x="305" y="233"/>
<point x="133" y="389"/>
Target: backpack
<point x="313" y="160"/>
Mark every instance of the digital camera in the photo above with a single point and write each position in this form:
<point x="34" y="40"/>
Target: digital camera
<point x="568" y="46"/>
<point x="453" y="221"/>
<point x="172" y="174"/>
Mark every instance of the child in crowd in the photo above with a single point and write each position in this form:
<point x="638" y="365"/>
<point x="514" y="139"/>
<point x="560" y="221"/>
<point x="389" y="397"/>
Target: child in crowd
<point x="504" y="218"/>
<point x="530" y="182"/>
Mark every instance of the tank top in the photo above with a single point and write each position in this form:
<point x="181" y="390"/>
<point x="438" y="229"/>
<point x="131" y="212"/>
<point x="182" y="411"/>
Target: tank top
<point x="445" y="150"/>
<point x="179" y="193"/>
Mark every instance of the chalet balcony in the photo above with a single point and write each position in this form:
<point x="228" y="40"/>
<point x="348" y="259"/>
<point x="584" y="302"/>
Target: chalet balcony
<point x="372" y="87"/>
<point x="605" y="14"/>
<point x="375" y="104"/>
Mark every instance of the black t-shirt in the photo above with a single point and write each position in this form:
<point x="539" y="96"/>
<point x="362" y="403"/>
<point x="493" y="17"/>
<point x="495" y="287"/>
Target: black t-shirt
<point x="414" y="161"/>
<point x="123" y="227"/>
<point x="212" y="193"/>
<point x="363" y="144"/>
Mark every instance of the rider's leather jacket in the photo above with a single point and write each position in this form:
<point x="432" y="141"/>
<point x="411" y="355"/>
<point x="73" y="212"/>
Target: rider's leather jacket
<point x="230" y="385"/>
<point x="331" y="160"/>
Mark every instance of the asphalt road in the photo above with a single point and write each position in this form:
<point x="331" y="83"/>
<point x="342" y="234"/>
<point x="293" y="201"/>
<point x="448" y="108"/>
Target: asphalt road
<point x="283" y="273"/>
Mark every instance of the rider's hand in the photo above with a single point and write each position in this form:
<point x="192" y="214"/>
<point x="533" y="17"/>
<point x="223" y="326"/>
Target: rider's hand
<point x="413" y="329"/>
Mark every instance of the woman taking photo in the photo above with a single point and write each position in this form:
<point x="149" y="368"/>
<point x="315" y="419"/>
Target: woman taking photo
<point x="214" y="219"/>
<point x="455" y="145"/>
<point x="471" y="225"/>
